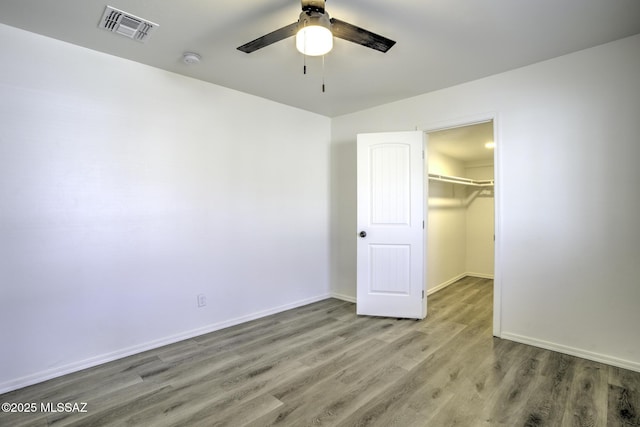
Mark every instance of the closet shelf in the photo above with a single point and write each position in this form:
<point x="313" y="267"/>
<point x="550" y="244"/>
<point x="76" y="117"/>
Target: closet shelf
<point x="463" y="181"/>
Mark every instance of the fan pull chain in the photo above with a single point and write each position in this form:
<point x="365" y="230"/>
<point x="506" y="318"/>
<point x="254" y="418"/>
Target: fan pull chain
<point x="304" y="69"/>
<point x="322" y="73"/>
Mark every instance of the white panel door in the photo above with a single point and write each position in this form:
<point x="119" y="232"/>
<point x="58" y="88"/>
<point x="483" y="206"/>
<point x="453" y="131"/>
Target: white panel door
<point x="391" y="215"/>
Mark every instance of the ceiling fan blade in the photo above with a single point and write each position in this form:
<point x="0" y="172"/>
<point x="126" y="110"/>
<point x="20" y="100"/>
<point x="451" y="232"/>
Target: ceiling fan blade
<point x="350" y="32"/>
<point x="272" y="37"/>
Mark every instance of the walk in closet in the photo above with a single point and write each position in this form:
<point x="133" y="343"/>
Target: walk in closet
<point x="460" y="225"/>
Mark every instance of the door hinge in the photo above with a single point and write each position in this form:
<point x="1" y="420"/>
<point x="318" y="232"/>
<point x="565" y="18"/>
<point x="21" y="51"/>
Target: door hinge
<point x="423" y="294"/>
<point x="423" y="154"/>
<point x="423" y="226"/>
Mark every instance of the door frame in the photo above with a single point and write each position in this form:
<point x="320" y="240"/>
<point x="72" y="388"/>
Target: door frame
<point x="497" y="201"/>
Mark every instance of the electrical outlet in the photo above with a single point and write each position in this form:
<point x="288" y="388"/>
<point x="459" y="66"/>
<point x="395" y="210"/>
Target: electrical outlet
<point x="202" y="300"/>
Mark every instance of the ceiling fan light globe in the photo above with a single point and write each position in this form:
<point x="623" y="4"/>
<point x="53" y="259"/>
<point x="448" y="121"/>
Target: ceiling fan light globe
<point x="314" y="40"/>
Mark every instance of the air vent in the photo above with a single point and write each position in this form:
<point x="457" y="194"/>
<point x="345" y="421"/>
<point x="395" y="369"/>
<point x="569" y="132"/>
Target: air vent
<point x="126" y="24"/>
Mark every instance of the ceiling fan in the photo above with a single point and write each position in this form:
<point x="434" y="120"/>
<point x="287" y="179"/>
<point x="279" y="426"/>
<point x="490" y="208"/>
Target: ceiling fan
<point x="315" y="30"/>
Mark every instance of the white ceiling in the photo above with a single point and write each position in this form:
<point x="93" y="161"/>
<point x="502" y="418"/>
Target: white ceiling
<point x="440" y="43"/>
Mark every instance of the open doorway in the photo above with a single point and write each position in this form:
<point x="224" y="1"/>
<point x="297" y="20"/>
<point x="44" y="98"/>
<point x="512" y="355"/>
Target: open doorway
<point x="461" y="208"/>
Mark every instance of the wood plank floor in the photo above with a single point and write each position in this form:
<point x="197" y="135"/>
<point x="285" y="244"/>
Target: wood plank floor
<point x="323" y="365"/>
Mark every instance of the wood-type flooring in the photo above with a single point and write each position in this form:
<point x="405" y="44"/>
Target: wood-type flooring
<point x="322" y="365"/>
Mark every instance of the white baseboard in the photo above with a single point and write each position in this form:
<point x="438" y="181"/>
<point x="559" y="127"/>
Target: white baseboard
<point x="480" y="275"/>
<point x="343" y="297"/>
<point x="572" y="351"/>
<point x="443" y="285"/>
<point x="119" y="354"/>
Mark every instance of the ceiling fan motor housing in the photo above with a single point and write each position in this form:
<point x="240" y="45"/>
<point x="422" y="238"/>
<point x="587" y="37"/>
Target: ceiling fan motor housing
<point x="313" y="5"/>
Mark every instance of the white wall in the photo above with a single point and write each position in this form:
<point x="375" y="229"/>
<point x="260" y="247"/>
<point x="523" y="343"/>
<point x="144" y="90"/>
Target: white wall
<point x="441" y="164"/>
<point x="480" y="226"/>
<point x="568" y="239"/>
<point x="446" y="223"/>
<point x="125" y="191"/>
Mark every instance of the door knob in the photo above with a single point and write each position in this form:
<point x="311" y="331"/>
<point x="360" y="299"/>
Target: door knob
<point x="363" y="234"/>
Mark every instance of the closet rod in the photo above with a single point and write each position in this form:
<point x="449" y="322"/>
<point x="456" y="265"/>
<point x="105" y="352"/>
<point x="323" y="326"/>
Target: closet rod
<point x="460" y="180"/>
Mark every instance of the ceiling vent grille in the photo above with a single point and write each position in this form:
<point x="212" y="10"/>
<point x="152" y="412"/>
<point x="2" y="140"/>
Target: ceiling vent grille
<point x="126" y="24"/>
